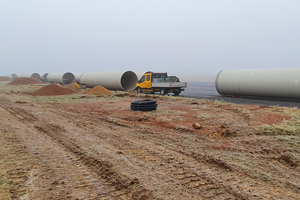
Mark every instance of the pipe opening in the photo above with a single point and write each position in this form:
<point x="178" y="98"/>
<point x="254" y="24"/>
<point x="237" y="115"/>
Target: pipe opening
<point x="36" y="75"/>
<point x="44" y="78"/>
<point x="128" y="81"/>
<point x="14" y="76"/>
<point x="68" y="78"/>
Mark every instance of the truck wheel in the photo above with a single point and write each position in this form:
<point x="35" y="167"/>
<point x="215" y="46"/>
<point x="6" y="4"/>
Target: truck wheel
<point x="162" y="91"/>
<point x="139" y="90"/>
<point x="176" y="93"/>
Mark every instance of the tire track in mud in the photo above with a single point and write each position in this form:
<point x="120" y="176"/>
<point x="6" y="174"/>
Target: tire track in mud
<point x="48" y="177"/>
<point x="193" y="177"/>
<point x="51" y="163"/>
<point x="20" y="113"/>
<point x="215" y="181"/>
<point x="16" y="174"/>
<point x="124" y="187"/>
<point x="192" y="181"/>
<point x="15" y="157"/>
<point x="223" y="173"/>
<point x="206" y="185"/>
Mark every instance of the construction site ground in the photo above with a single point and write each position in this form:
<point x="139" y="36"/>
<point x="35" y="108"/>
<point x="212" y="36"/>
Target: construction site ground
<point x="93" y="146"/>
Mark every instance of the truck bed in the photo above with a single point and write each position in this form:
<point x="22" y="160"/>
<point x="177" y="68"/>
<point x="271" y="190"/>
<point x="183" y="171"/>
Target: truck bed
<point x="169" y="84"/>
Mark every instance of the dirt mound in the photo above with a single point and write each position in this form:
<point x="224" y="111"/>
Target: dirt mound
<point x="72" y="86"/>
<point x="25" y="81"/>
<point x="98" y="90"/>
<point x="51" y="90"/>
<point x="5" y="78"/>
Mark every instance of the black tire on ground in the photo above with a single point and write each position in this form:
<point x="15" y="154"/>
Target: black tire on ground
<point x="144" y="102"/>
<point x="144" y="105"/>
<point x="176" y="93"/>
<point x="148" y="108"/>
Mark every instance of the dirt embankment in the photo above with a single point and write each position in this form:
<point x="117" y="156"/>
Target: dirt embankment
<point x="25" y="81"/>
<point x="5" y="78"/>
<point x="52" y="90"/>
<point x="98" y="148"/>
<point x="98" y="90"/>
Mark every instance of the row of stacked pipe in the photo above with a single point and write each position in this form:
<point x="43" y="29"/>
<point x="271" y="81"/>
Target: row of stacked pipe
<point x="125" y="81"/>
<point x="278" y="83"/>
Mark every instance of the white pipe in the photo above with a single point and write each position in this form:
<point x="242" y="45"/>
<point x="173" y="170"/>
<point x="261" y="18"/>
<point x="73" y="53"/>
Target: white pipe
<point x="277" y="83"/>
<point x="77" y="77"/>
<point x="62" y="78"/>
<point x="44" y="77"/>
<point x="110" y="80"/>
<point x="34" y="75"/>
<point x="139" y="74"/>
<point x="14" y="76"/>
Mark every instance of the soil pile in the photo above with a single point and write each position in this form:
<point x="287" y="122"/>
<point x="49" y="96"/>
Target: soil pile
<point x="185" y="149"/>
<point x="51" y="90"/>
<point x="72" y="86"/>
<point x="98" y="90"/>
<point x="25" y="81"/>
<point x="5" y="78"/>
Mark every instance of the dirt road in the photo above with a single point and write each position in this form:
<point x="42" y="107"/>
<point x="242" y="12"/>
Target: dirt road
<point x="97" y="148"/>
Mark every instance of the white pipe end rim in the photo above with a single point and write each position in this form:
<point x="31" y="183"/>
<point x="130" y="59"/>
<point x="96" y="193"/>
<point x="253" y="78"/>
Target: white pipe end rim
<point x="68" y="78"/>
<point x="36" y="75"/>
<point x="128" y="81"/>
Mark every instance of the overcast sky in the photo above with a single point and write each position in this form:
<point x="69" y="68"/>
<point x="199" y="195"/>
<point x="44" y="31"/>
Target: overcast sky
<point x="187" y="38"/>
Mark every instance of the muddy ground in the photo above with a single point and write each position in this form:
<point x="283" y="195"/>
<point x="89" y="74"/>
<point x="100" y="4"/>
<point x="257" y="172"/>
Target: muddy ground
<point x="94" y="147"/>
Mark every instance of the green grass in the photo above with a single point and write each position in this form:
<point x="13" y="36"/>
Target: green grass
<point x="10" y="160"/>
<point x="205" y="116"/>
<point x="258" y="169"/>
<point x="18" y="88"/>
<point x="217" y="102"/>
<point x="23" y="94"/>
<point x="287" y="127"/>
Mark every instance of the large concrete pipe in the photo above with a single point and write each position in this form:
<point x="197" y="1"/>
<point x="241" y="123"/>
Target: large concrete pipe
<point x="111" y="80"/>
<point x="77" y="77"/>
<point x="62" y="78"/>
<point x="277" y="83"/>
<point x="139" y="74"/>
<point x="34" y="75"/>
<point x="44" y="77"/>
<point x="14" y="76"/>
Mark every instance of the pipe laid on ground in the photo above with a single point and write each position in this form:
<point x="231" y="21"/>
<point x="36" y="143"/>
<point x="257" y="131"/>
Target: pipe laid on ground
<point x="110" y="80"/>
<point x="276" y="83"/>
<point x="62" y="78"/>
<point x="14" y="76"/>
<point x="34" y="75"/>
<point x="77" y="77"/>
<point x="44" y="77"/>
<point x="139" y="74"/>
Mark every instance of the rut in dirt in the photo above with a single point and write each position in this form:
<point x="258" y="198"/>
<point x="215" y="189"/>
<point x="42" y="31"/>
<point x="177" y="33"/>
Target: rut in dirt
<point x="125" y="161"/>
<point x="66" y="171"/>
<point x="191" y="181"/>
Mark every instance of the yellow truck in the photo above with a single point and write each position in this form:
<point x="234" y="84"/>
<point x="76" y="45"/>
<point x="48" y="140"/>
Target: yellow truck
<point x="160" y="82"/>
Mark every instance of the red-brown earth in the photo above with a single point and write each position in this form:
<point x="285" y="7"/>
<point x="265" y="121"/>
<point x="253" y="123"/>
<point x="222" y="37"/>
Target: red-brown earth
<point x="96" y="147"/>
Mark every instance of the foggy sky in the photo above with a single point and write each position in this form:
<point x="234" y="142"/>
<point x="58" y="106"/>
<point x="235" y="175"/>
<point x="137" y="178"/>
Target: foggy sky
<point x="191" y="38"/>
